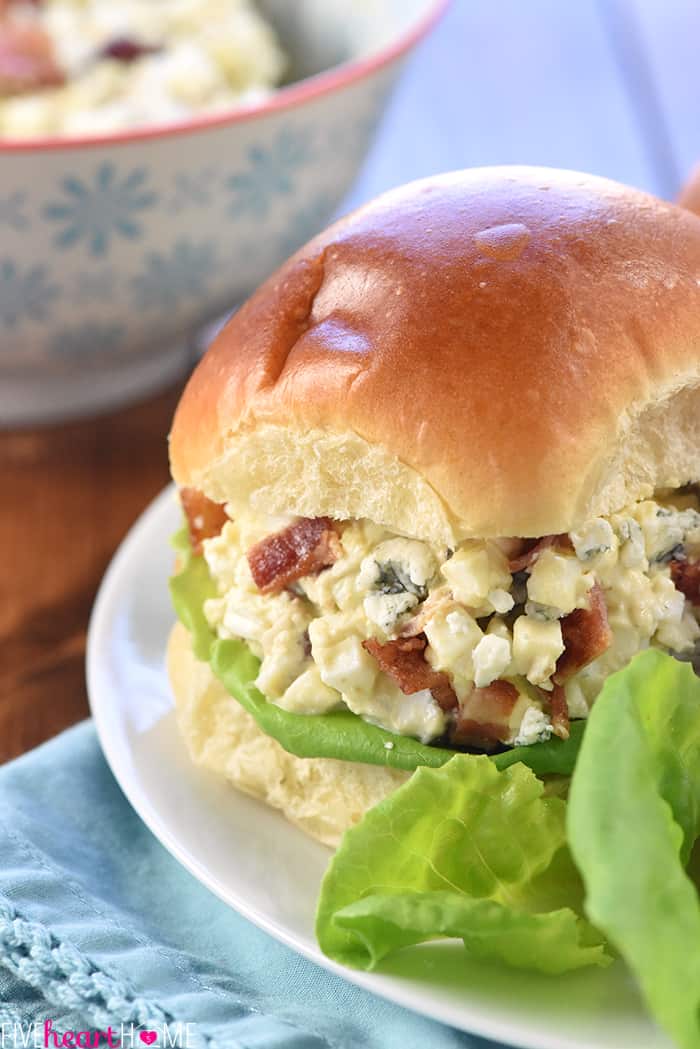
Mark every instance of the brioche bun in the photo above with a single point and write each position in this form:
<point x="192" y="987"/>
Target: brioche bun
<point x="502" y="351"/>
<point x="322" y="796"/>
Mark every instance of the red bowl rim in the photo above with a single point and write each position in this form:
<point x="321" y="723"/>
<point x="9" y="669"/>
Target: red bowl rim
<point x="286" y="97"/>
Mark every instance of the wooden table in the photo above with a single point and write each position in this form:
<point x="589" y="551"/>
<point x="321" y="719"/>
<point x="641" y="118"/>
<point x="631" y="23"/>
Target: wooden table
<point x="609" y="87"/>
<point x="69" y="494"/>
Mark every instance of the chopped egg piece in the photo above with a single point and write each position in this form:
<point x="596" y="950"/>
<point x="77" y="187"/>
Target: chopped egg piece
<point x="475" y="570"/>
<point x="491" y="659"/>
<point x="452" y="638"/>
<point x="559" y="581"/>
<point x="537" y="646"/>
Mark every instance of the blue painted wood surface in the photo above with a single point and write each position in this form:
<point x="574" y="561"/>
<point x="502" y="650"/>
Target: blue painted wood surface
<point x="670" y="30"/>
<point x="597" y="85"/>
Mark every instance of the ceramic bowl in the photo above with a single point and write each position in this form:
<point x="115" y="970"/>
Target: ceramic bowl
<point x="115" y="249"/>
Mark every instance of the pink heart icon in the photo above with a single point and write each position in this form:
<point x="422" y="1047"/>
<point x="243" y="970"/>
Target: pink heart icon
<point x="148" y="1037"/>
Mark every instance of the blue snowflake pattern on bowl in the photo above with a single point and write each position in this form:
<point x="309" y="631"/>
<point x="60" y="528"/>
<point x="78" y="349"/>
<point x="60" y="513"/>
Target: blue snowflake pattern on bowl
<point x="167" y="279"/>
<point x="25" y="294"/>
<point x="84" y="340"/>
<point x="12" y="213"/>
<point x="271" y="173"/>
<point x="97" y="212"/>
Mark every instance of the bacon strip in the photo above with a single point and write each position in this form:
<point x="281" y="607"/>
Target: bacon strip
<point x="404" y="660"/>
<point x="523" y="562"/>
<point x="205" y="518"/>
<point x="484" y="716"/>
<point x="439" y="599"/>
<point x="27" y="60"/>
<point x="559" y="712"/>
<point x="586" y="634"/>
<point x="5" y="5"/>
<point x="303" y="548"/>
<point x="686" y="578"/>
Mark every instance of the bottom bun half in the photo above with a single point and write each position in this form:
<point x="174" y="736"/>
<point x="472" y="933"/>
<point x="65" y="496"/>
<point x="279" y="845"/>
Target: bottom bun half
<point x="322" y="796"/>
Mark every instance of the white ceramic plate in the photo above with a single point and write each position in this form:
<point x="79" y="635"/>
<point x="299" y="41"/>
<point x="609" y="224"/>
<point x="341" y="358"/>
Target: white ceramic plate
<point x="204" y="823"/>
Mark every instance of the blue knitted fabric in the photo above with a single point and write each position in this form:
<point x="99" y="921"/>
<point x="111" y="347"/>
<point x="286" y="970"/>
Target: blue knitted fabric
<point x="101" y="929"/>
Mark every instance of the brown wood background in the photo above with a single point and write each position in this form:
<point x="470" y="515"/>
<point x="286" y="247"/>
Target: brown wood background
<point x="68" y="494"/>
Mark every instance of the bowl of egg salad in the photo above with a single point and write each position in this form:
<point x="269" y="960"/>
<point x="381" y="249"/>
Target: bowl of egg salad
<point x="159" y="159"/>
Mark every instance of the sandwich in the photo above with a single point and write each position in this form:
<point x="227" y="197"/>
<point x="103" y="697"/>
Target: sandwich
<point x="438" y="579"/>
<point x="442" y="473"/>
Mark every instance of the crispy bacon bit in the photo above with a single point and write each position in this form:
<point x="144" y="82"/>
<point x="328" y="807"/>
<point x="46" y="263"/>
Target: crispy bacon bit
<point x="27" y="60"/>
<point x="404" y="660"/>
<point x="303" y="548"/>
<point x="126" y="49"/>
<point x="484" y="716"/>
<point x="686" y="578"/>
<point x="5" y="5"/>
<point x="205" y="518"/>
<point x="439" y="599"/>
<point x="524" y="562"/>
<point x="559" y="712"/>
<point x="586" y="634"/>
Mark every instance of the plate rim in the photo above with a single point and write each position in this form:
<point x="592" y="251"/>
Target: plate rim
<point x="385" y="986"/>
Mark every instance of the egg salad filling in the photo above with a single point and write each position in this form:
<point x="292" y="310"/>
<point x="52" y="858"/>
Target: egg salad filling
<point x="485" y="613"/>
<point x="83" y="66"/>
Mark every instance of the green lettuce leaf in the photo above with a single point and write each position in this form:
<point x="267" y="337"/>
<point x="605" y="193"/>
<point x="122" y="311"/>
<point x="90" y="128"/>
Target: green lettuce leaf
<point x="554" y="757"/>
<point x="189" y="589"/>
<point x="634" y="813"/>
<point x="459" y="851"/>
<point x="340" y="734"/>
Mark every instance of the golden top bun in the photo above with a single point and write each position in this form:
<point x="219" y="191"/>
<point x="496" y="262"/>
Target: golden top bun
<point x="501" y="351"/>
<point x="322" y="796"/>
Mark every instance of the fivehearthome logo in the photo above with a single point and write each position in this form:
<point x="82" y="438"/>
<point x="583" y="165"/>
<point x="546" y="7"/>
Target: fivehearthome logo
<point x="45" y="1035"/>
